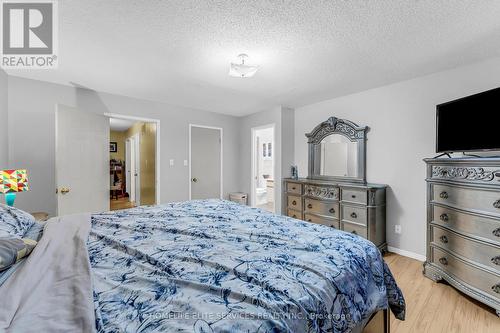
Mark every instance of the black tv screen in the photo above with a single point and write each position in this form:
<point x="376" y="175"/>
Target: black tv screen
<point x="469" y="124"/>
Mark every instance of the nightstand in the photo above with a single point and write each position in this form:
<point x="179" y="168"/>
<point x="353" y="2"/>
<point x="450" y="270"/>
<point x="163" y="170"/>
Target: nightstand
<point x="40" y="216"/>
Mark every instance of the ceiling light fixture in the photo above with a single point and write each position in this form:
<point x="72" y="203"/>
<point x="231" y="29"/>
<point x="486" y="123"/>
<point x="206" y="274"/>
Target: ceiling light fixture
<point x="242" y="70"/>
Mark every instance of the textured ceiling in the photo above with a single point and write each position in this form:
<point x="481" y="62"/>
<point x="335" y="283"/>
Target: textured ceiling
<point x="179" y="51"/>
<point x="120" y="125"/>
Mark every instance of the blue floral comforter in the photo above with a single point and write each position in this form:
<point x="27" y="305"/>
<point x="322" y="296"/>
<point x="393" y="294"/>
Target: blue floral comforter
<point x="216" y="266"/>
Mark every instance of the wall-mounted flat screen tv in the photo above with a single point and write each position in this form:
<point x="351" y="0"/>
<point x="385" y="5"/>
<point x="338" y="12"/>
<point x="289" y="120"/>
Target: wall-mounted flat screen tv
<point x="469" y="124"/>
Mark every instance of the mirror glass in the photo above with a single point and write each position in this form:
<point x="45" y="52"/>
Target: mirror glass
<point x="338" y="156"/>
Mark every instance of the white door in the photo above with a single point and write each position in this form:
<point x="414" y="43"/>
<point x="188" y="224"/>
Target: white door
<point x="136" y="162"/>
<point x="128" y="174"/>
<point x="132" y="169"/>
<point x="256" y="157"/>
<point x="206" y="163"/>
<point x="82" y="161"/>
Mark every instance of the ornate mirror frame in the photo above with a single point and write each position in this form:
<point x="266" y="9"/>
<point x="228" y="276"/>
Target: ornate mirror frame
<point x="343" y="127"/>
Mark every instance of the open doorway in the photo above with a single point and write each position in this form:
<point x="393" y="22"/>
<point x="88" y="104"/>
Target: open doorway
<point x="133" y="162"/>
<point x="263" y="195"/>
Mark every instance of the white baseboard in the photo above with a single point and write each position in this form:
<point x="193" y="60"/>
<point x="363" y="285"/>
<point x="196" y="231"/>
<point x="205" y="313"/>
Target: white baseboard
<point x="405" y="253"/>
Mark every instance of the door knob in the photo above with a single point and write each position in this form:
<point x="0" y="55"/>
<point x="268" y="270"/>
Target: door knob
<point x="194" y="180"/>
<point x="64" y="190"/>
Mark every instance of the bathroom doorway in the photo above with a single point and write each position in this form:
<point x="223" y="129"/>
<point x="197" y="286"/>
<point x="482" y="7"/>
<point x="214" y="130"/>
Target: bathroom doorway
<point x="263" y="156"/>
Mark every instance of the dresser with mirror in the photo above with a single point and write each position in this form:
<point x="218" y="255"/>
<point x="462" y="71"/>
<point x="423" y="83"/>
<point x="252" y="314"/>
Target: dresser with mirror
<point x="336" y="193"/>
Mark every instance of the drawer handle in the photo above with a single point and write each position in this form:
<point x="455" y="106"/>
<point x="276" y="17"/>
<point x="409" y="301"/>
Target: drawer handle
<point x="354" y="232"/>
<point x="294" y="216"/>
<point x="309" y="220"/>
<point x="310" y="206"/>
<point x="353" y="196"/>
<point x="444" y="217"/>
<point x="496" y="288"/>
<point x="496" y="260"/>
<point x="294" y="202"/>
<point x="332" y="211"/>
<point x="443" y="195"/>
<point x="354" y="215"/>
<point x="443" y="239"/>
<point x="443" y="261"/>
<point x="496" y="204"/>
<point x="293" y="188"/>
<point x="496" y="232"/>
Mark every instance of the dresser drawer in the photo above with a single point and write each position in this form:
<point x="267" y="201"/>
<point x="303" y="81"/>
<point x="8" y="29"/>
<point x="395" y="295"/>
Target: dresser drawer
<point x="480" y="175"/>
<point x="474" y="226"/>
<point x="295" y="188"/>
<point x="355" y="229"/>
<point x="294" y="202"/>
<point x="325" y="192"/>
<point x="467" y="198"/>
<point x="354" y="195"/>
<point x="330" y="209"/>
<point x="295" y="214"/>
<point x="354" y="214"/>
<point x="481" y="253"/>
<point x="321" y="220"/>
<point x="487" y="282"/>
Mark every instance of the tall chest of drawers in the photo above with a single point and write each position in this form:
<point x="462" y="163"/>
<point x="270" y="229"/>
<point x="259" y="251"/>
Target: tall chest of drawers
<point x="463" y="226"/>
<point x="355" y="208"/>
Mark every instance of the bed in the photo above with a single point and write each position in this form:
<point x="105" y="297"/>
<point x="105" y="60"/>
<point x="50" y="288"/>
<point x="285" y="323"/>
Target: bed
<point x="197" y="266"/>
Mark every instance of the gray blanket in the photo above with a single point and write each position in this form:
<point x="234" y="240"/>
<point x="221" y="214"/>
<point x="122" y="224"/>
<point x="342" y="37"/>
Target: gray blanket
<point x="52" y="291"/>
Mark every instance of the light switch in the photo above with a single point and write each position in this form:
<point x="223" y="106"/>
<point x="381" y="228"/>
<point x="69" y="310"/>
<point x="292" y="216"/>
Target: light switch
<point x="185" y="162"/>
<point x="171" y="163"/>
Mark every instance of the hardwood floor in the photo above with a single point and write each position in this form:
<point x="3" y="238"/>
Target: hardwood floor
<point x="268" y="206"/>
<point x="120" y="203"/>
<point x="436" y="307"/>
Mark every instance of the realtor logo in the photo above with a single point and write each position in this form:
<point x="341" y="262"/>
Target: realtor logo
<point x="29" y="34"/>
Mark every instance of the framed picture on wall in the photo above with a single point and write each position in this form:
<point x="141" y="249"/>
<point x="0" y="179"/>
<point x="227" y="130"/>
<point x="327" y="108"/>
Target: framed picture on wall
<point x="113" y="147"/>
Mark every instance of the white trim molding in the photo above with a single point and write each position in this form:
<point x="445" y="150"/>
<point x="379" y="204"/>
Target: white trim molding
<point x="221" y="130"/>
<point x="405" y="253"/>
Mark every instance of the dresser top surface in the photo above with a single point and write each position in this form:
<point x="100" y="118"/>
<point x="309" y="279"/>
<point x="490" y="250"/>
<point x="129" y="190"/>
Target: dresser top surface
<point x="326" y="182"/>
<point x="481" y="161"/>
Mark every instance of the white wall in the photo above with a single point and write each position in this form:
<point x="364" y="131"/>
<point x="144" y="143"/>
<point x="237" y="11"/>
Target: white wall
<point x="402" y="121"/>
<point x="283" y="119"/>
<point x="32" y="110"/>
<point x="3" y="121"/>
<point x="401" y="117"/>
